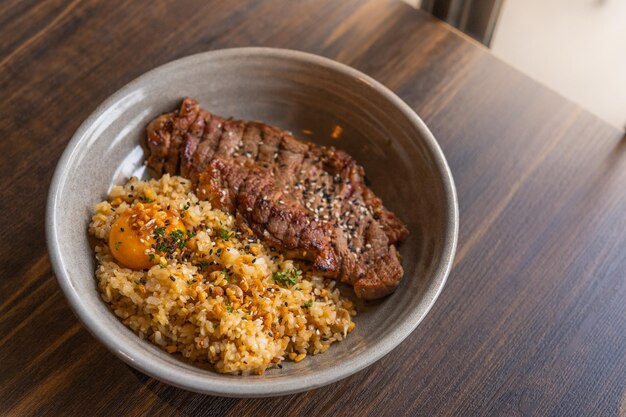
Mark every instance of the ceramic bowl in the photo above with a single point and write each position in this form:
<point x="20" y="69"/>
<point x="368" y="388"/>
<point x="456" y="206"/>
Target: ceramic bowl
<point x="316" y="99"/>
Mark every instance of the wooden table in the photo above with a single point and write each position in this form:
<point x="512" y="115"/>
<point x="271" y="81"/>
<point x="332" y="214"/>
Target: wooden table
<point x="533" y="318"/>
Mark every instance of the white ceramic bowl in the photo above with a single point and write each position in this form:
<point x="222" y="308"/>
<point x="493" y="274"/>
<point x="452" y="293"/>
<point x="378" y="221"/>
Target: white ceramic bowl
<point x="295" y="91"/>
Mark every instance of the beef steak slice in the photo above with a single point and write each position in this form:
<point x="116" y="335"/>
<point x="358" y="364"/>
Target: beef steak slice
<point x="310" y="201"/>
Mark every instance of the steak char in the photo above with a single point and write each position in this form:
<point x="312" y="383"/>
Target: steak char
<point x="310" y="201"/>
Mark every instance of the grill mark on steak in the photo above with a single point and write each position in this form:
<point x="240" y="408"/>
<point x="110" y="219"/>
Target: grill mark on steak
<point x="268" y="148"/>
<point x="230" y="140"/>
<point x="158" y="140"/>
<point x="208" y="144"/>
<point x="191" y="141"/>
<point x="181" y="124"/>
<point x="250" y="142"/>
<point x="310" y="201"/>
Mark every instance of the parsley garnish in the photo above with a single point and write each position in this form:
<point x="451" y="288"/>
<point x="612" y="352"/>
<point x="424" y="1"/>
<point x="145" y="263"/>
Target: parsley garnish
<point x="203" y="264"/>
<point x="226" y="274"/>
<point x="229" y="309"/>
<point x="117" y="245"/>
<point x="287" y="278"/>
<point x="170" y="242"/>
<point x="151" y="256"/>
<point x="224" y="234"/>
<point x="178" y="238"/>
<point x="308" y="304"/>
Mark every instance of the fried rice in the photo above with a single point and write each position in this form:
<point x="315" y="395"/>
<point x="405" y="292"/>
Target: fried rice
<point x="230" y="300"/>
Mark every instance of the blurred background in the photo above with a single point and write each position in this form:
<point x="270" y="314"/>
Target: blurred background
<point x="575" y="47"/>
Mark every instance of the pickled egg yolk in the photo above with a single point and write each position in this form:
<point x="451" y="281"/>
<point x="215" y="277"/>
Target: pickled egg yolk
<point x="132" y="237"/>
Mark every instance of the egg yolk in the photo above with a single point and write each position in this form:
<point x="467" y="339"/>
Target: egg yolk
<point x="132" y="235"/>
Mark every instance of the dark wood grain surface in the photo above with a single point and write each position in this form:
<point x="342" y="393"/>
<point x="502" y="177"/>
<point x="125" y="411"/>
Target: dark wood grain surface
<point x="533" y="318"/>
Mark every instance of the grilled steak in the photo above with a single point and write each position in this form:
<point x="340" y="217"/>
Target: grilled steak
<point x="310" y="201"/>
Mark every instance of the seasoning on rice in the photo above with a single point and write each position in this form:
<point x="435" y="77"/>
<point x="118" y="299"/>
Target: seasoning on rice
<point x="209" y="291"/>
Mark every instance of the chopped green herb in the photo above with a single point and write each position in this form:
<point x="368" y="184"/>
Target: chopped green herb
<point x="148" y="200"/>
<point x="151" y="256"/>
<point x="178" y="238"/>
<point x="177" y="234"/>
<point x="224" y="234"/>
<point x="203" y="264"/>
<point x="216" y="325"/>
<point x="308" y="304"/>
<point x="117" y="245"/>
<point x="229" y="309"/>
<point x="168" y="243"/>
<point x="226" y="274"/>
<point x="287" y="278"/>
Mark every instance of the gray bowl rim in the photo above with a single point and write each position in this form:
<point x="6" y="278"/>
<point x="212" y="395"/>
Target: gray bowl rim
<point x="234" y="387"/>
